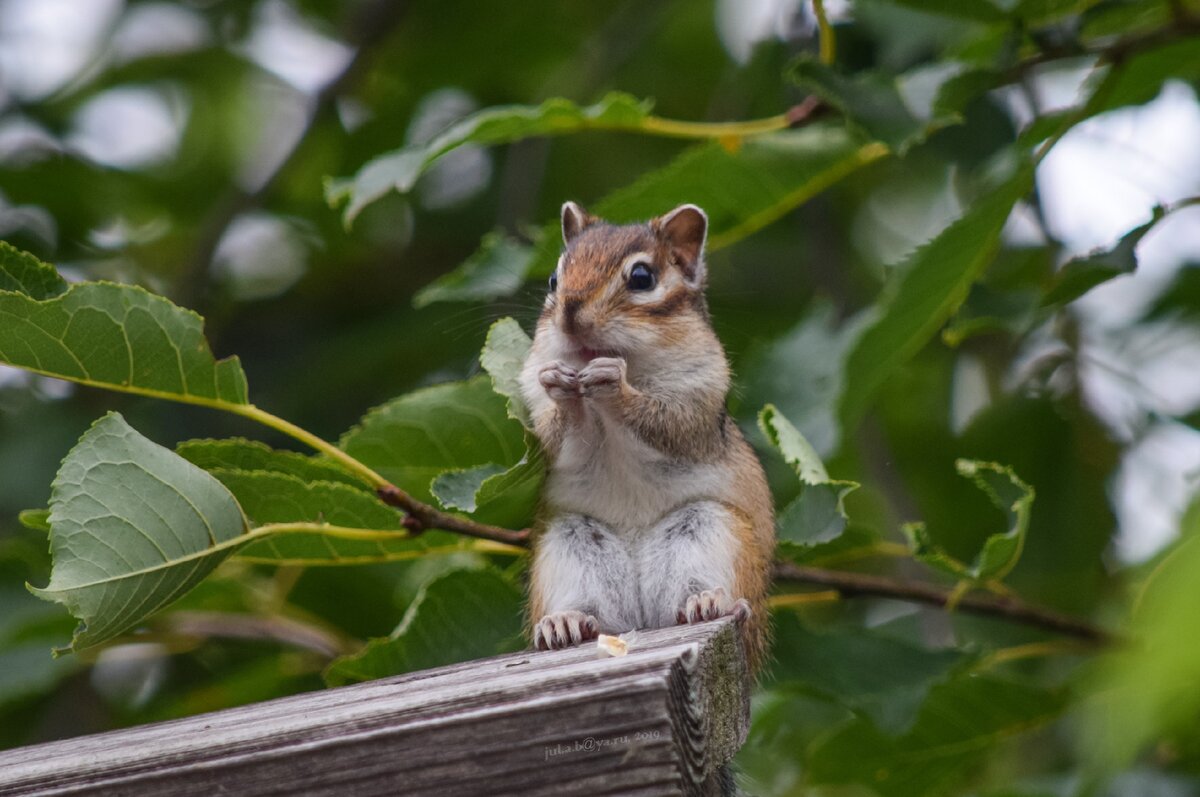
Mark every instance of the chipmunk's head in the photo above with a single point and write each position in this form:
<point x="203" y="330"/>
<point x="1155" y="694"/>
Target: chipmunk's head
<point x="627" y="289"/>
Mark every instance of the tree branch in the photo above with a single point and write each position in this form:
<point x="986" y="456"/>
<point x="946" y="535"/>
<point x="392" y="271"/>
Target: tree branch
<point x="421" y="516"/>
<point x="1004" y="607"/>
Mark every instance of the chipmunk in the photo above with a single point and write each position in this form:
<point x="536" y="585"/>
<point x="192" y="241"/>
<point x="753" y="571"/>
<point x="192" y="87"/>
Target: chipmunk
<point x="656" y="510"/>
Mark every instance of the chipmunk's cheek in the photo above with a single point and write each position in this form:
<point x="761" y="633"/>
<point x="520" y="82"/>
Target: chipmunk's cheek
<point x="634" y="336"/>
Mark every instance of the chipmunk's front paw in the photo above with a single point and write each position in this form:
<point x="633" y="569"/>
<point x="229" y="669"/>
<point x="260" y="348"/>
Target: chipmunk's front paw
<point x="563" y="629"/>
<point x="711" y="604"/>
<point x="602" y="377"/>
<point x="560" y="380"/>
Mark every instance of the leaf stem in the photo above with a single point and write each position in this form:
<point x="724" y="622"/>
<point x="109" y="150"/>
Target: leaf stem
<point x="421" y="516"/>
<point x="828" y="41"/>
<point x="868" y="153"/>
<point x="309" y="439"/>
<point x="340" y="532"/>
<point x="875" y="549"/>
<point x="803" y="598"/>
<point x="1052" y="647"/>
<point x="677" y="128"/>
<point x="480" y="546"/>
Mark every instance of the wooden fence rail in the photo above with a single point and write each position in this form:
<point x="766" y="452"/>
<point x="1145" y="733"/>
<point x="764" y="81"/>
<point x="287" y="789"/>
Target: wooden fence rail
<point x="660" y="720"/>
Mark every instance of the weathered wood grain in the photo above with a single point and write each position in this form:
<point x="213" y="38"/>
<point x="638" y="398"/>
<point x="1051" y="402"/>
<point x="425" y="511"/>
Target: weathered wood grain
<point x="660" y="720"/>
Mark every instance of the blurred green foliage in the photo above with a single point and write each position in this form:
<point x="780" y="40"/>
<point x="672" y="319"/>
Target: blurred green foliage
<point x="868" y="277"/>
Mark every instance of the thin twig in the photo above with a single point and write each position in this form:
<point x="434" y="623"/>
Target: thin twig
<point x="421" y="516"/>
<point x="1009" y="608"/>
<point x="805" y="111"/>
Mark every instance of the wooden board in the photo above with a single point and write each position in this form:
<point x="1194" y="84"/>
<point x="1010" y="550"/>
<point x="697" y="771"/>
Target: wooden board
<point x="660" y="720"/>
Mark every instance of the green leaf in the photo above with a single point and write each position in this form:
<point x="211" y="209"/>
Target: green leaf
<point x="272" y="497"/>
<point x="957" y="725"/>
<point x="400" y="169"/>
<point x="817" y="515"/>
<point x="114" y="336"/>
<point x="803" y="373"/>
<point x="321" y="549"/>
<point x="267" y="497"/>
<point x="462" y="615"/>
<point x="503" y="356"/>
<point x="974" y="10"/>
<point x="987" y="310"/>
<point x="461" y="443"/>
<point x="498" y="268"/>
<point x="1145" y="690"/>
<point x="854" y="542"/>
<point x="1081" y="274"/>
<point x="1001" y="551"/>
<point x="1014" y="498"/>
<point x="925" y="550"/>
<point x="457" y="489"/>
<point x="413" y="439"/>
<point x="955" y="94"/>
<point x="495" y="494"/>
<point x="1115" y="19"/>
<point x="35" y="519"/>
<point x="133" y="527"/>
<point x="454" y="427"/>
<point x="743" y="186"/>
<point x="844" y="666"/>
<point x="884" y="107"/>
<point x="795" y="449"/>
<point x="1140" y="77"/>
<point x="21" y="272"/>
<point x="1046" y="12"/>
<point x="924" y="292"/>
<point x="510" y="496"/>
<point x="508" y="499"/>
<point x="250" y="455"/>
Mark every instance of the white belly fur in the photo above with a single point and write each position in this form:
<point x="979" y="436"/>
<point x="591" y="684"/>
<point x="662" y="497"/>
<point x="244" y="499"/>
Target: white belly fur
<point x="605" y="472"/>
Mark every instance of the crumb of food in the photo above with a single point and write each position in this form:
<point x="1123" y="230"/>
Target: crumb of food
<point x="612" y="645"/>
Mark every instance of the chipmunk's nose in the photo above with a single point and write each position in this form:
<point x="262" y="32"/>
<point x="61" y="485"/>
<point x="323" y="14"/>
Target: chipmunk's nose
<point x="571" y="321"/>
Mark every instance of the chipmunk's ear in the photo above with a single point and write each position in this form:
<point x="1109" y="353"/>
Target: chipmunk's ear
<point x="574" y="221"/>
<point x="685" y="228"/>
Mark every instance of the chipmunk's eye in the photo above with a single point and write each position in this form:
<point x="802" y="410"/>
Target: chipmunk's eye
<point x="641" y="278"/>
<point x="553" y="282"/>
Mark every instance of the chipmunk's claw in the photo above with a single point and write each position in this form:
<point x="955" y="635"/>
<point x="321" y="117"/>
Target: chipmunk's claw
<point x="563" y="629"/>
<point x="602" y="376"/>
<point x="560" y="381"/>
<point x="711" y="604"/>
